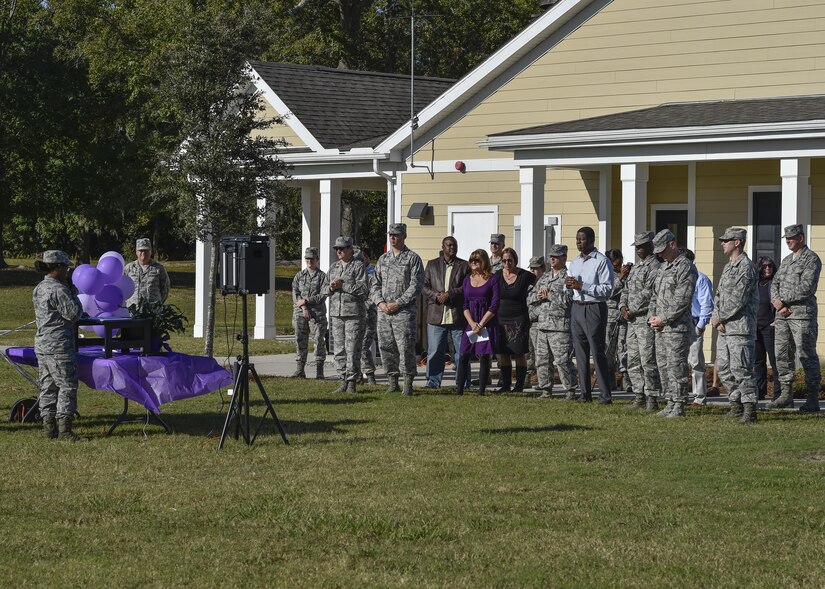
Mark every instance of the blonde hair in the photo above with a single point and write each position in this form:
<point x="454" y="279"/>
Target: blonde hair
<point x="486" y="269"/>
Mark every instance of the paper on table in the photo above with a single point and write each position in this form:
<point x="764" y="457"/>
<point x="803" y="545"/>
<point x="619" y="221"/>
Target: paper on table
<point x="481" y="337"/>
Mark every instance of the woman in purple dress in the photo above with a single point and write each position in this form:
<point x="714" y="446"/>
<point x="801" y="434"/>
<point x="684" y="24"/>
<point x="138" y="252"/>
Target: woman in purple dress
<point x="480" y="308"/>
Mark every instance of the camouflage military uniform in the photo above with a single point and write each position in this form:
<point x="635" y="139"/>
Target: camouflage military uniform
<point x="795" y="285"/>
<point x="554" y="344"/>
<point x="616" y="330"/>
<point x="56" y="309"/>
<point x="737" y="297"/>
<point x="347" y="313"/>
<point x="534" y="333"/>
<point x="400" y="279"/>
<point x="672" y="300"/>
<point x="151" y="281"/>
<point x="370" y="325"/>
<point x="637" y="298"/>
<point x="313" y="287"/>
<point x="495" y="264"/>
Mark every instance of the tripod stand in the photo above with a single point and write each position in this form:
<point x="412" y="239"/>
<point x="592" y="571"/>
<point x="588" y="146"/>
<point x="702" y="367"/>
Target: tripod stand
<point x="239" y="406"/>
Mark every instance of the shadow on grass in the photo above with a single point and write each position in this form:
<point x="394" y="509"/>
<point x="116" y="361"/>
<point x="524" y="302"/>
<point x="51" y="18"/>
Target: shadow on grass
<point x="559" y="427"/>
<point x="348" y="400"/>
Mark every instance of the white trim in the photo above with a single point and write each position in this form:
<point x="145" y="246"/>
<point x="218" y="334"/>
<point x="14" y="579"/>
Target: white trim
<point x="605" y="206"/>
<point x="502" y="164"/>
<point x="635" y="179"/>
<point x="691" y="204"/>
<point x="517" y="225"/>
<point x="749" y="244"/>
<point x="331" y="156"/>
<point x="289" y="117"/>
<point x="748" y="132"/>
<point x="499" y="62"/>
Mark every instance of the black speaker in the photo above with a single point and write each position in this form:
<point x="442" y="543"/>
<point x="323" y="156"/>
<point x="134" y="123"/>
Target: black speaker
<point x="245" y="264"/>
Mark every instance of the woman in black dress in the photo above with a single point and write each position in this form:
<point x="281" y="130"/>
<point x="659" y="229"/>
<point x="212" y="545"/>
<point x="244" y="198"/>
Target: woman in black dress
<point x="513" y="320"/>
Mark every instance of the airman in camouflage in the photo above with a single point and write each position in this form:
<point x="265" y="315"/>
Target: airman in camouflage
<point x="150" y="277"/>
<point x="616" y="333"/>
<point x="399" y="279"/>
<point x="538" y="268"/>
<point x="794" y="297"/>
<point x="371" y="323"/>
<point x="56" y="309"/>
<point x="671" y="319"/>
<point x="496" y="247"/>
<point x="552" y="300"/>
<point x="348" y="289"/>
<point x="734" y="317"/>
<point x="309" y="292"/>
<point x="635" y="307"/>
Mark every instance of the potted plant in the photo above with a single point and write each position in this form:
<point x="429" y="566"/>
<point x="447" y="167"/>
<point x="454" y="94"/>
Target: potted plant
<point x="165" y="319"/>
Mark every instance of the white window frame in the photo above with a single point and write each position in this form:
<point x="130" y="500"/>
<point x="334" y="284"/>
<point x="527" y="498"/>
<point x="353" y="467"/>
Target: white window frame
<point x="751" y="189"/>
<point x="676" y="206"/>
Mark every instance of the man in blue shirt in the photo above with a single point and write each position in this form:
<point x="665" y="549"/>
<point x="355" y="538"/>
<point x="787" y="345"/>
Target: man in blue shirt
<point x="701" y="309"/>
<point x="590" y="277"/>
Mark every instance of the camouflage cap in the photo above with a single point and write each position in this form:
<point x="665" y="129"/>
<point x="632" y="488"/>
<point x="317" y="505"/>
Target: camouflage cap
<point x="732" y="233"/>
<point x="311" y="252"/>
<point x="397" y="229"/>
<point x="642" y="238"/>
<point x="661" y="240"/>
<point x="56" y="257"/>
<point x="793" y="231"/>
<point x="497" y="238"/>
<point x="144" y="243"/>
<point x="342" y="242"/>
<point x="537" y="262"/>
<point x="557" y="250"/>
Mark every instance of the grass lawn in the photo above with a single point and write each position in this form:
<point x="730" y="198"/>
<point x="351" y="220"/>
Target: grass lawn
<point x="377" y="490"/>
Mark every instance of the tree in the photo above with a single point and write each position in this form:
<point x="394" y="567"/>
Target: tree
<point x="225" y="177"/>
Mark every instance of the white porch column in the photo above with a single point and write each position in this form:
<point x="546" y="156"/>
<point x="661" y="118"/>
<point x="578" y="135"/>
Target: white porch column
<point x="393" y="203"/>
<point x="605" y="206"/>
<point x="310" y="213"/>
<point x="203" y="250"/>
<point x="796" y="193"/>
<point x="634" y="205"/>
<point x="265" y="304"/>
<point x="330" y="219"/>
<point x="532" y="182"/>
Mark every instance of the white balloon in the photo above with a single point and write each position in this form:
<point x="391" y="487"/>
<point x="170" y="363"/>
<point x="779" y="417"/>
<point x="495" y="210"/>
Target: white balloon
<point x="112" y="254"/>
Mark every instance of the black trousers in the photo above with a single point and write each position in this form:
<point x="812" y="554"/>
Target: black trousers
<point x="764" y="345"/>
<point x="588" y="327"/>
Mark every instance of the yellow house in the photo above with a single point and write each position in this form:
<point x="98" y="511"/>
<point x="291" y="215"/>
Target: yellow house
<point x="623" y="115"/>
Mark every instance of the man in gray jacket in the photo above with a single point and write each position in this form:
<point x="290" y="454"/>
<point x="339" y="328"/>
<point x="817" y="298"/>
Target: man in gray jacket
<point x="794" y="297"/>
<point x="734" y="317"/>
<point x="348" y="289"/>
<point x="399" y="278"/>
<point x="56" y="309"/>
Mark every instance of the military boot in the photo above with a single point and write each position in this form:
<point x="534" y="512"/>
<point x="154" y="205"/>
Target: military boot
<point x="677" y="411"/>
<point x="393" y="380"/>
<point x="784" y="400"/>
<point x="638" y="401"/>
<point x="342" y="387"/>
<point x="652" y="404"/>
<point x="748" y="413"/>
<point x="350" y="387"/>
<point x="811" y="404"/>
<point x="299" y="371"/>
<point x="667" y="410"/>
<point x="371" y="378"/>
<point x="64" y="429"/>
<point x="408" y="386"/>
<point x="49" y="427"/>
<point x="736" y="409"/>
<point x="319" y="371"/>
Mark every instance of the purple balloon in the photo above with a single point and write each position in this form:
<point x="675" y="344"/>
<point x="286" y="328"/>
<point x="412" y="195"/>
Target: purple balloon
<point x="111" y="268"/>
<point x="109" y="298"/>
<point x="80" y="271"/>
<point x="90" y="280"/>
<point x="126" y="286"/>
<point x="89" y="304"/>
<point x="112" y="254"/>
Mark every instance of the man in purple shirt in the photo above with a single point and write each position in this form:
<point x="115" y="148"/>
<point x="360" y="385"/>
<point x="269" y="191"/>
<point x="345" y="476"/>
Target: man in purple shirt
<point x="590" y="277"/>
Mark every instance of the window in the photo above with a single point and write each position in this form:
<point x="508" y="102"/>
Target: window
<point x="673" y="217"/>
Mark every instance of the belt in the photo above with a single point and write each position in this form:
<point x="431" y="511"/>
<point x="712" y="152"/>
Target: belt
<point x="585" y="303"/>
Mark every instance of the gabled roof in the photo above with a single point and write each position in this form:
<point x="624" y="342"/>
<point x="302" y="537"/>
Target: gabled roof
<point x="692" y="114"/>
<point x="344" y="109"/>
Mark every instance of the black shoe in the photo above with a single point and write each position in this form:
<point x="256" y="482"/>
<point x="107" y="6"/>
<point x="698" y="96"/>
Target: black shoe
<point x="584" y="399"/>
<point x="605" y="401"/>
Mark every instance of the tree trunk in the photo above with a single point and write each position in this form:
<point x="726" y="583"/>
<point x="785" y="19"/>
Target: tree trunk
<point x="209" y="333"/>
<point x="3" y="263"/>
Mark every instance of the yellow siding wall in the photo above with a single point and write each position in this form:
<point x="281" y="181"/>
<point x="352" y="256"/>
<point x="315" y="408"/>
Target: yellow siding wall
<point x="816" y="240"/>
<point x="640" y="53"/>
<point x="282" y="131"/>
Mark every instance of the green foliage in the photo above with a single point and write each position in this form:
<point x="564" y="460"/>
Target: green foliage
<point x="166" y="318"/>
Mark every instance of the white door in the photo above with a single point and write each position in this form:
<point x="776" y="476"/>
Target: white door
<point x="472" y="226"/>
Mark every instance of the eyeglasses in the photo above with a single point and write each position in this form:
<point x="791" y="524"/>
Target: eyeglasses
<point x="475" y="261"/>
<point x="508" y="261"/>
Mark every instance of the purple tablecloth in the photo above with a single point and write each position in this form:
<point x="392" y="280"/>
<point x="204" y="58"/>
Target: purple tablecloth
<point x="148" y="380"/>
